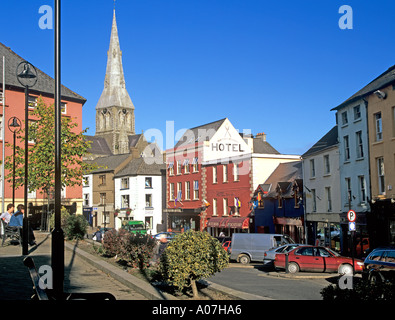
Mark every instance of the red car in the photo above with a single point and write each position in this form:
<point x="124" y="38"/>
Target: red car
<point x="317" y="259"/>
<point x="226" y="245"/>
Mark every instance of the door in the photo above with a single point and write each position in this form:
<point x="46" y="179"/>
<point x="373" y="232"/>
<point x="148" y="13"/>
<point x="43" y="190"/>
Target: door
<point x="308" y="260"/>
<point x="329" y="261"/>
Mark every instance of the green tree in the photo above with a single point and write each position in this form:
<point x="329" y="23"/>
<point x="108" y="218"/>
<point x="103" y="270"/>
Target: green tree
<point x="41" y="156"/>
<point x="192" y="256"/>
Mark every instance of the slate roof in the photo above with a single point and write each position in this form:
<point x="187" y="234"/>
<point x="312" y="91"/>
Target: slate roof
<point x="141" y="166"/>
<point x="109" y="163"/>
<point x="383" y="80"/>
<point x="99" y="146"/>
<point x="195" y="134"/>
<point x="261" y="146"/>
<point x="45" y="84"/>
<point x="283" y="177"/>
<point x="328" y="140"/>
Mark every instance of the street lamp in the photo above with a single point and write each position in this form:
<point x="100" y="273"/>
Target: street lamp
<point x="27" y="76"/>
<point x="14" y="125"/>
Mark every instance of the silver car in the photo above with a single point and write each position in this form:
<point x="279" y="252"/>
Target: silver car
<point x="270" y="255"/>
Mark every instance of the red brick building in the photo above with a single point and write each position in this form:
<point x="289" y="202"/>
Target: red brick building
<point x="14" y="98"/>
<point x="211" y="178"/>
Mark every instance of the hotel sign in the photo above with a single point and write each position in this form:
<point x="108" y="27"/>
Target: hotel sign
<point x="227" y="147"/>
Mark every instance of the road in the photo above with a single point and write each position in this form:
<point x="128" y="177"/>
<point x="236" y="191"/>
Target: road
<point x="255" y="280"/>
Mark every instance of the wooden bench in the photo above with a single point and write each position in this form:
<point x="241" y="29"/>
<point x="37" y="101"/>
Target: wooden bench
<point x="46" y="294"/>
<point x="14" y="233"/>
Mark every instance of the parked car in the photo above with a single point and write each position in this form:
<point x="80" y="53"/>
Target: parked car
<point x="380" y="265"/>
<point x="169" y="235"/>
<point x="317" y="259"/>
<point x="226" y="245"/>
<point x="248" y="247"/>
<point x="269" y="255"/>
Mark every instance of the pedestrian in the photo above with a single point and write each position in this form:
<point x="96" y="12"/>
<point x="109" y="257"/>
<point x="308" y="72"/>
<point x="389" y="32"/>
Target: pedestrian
<point x="6" y="216"/>
<point x="97" y="236"/>
<point x="16" y="221"/>
<point x="163" y="243"/>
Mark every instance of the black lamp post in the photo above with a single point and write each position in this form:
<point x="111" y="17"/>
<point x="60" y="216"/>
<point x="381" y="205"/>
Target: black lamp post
<point x="14" y="125"/>
<point x="57" y="233"/>
<point x="27" y="77"/>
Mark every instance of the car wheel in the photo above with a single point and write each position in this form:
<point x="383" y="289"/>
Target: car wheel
<point x="346" y="269"/>
<point x="375" y="278"/>
<point x="244" y="259"/>
<point x="293" y="267"/>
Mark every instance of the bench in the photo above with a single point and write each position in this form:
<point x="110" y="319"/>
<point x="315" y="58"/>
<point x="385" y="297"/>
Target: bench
<point x="46" y="294"/>
<point x="14" y="233"/>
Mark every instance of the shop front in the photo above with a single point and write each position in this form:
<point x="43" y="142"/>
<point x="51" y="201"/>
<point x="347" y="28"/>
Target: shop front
<point x="227" y="225"/>
<point x="182" y="220"/>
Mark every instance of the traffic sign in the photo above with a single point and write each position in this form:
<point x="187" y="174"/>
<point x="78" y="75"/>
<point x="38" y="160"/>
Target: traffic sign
<point x="351" y="216"/>
<point x="351" y="226"/>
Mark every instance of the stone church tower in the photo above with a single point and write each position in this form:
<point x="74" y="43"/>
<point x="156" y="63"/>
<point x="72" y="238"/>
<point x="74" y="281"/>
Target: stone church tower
<point x="115" y="111"/>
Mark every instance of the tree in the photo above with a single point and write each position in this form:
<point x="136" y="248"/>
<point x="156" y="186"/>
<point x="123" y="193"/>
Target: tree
<point x="41" y="155"/>
<point x="192" y="256"/>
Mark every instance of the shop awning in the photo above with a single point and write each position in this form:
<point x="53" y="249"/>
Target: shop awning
<point x="229" y="222"/>
<point x="288" y="221"/>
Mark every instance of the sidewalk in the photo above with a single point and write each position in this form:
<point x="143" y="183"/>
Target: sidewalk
<point x="15" y="282"/>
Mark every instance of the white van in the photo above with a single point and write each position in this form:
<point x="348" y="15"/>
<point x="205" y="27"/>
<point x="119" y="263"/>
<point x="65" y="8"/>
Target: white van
<point x="247" y="247"/>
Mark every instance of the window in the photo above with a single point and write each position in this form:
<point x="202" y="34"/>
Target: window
<point x="314" y="202"/>
<point x="103" y="197"/>
<point x="179" y="191"/>
<point x="195" y="189"/>
<point x="280" y="201"/>
<point x="125" y="183"/>
<point x="125" y="201"/>
<point x="380" y="169"/>
<point x="187" y="190"/>
<point x="148" y="200"/>
<point x="357" y="113"/>
<point x="358" y="136"/>
<point x="148" y="183"/>
<point x="1" y="127"/>
<point x="178" y="167"/>
<point x="235" y="172"/>
<point x="215" y="207"/>
<point x="393" y="121"/>
<point x="86" y="199"/>
<point x="225" y="205"/>
<point x="344" y="118"/>
<point x="171" y="168"/>
<point x="32" y="101"/>
<point x="261" y="203"/>
<point x="85" y="181"/>
<point x="362" y="189"/>
<point x="171" y="191"/>
<point x="312" y="168"/>
<point x="215" y="175"/>
<point x="102" y="179"/>
<point x="346" y="148"/>
<point x="63" y="107"/>
<point x="327" y="167"/>
<point x="195" y="165"/>
<point x="348" y="190"/>
<point x="225" y="172"/>
<point x="379" y="128"/>
<point x="328" y="199"/>
<point x="306" y="251"/>
<point x="186" y="166"/>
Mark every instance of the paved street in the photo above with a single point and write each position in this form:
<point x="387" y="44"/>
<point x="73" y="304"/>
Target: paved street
<point x="80" y="276"/>
<point x="255" y="280"/>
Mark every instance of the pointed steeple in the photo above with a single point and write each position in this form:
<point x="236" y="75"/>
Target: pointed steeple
<point x="114" y="110"/>
<point x="114" y="93"/>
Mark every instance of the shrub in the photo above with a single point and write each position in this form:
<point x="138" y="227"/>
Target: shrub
<point x="363" y="290"/>
<point x="191" y="256"/>
<point x="64" y="215"/>
<point x="135" y="250"/>
<point x="75" y="227"/>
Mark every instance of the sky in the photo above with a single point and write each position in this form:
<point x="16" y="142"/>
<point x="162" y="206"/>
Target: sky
<point x="276" y="67"/>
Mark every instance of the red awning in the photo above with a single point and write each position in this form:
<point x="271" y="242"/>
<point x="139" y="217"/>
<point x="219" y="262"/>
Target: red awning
<point x="230" y="222"/>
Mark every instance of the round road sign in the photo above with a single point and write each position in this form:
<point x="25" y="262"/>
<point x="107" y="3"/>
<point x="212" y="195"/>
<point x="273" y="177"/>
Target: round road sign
<point x="351" y="216"/>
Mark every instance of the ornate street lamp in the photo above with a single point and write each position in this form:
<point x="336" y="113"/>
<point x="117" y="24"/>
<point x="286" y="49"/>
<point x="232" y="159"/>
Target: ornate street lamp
<point x="27" y="76"/>
<point x="14" y="125"/>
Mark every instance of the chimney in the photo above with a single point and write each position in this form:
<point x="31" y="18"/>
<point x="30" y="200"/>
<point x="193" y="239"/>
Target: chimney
<point x="261" y="135"/>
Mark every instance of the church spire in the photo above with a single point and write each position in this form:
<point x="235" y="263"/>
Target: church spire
<point x="114" y="110"/>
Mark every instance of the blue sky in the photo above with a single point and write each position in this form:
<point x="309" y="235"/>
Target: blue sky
<point x="269" y="66"/>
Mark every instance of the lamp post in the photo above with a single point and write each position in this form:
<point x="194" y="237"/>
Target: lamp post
<point x="27" y="76"/>
<point x="14" y="125"/>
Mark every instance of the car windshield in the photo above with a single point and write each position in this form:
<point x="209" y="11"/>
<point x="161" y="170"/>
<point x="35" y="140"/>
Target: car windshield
<point x="333" y="252"/>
